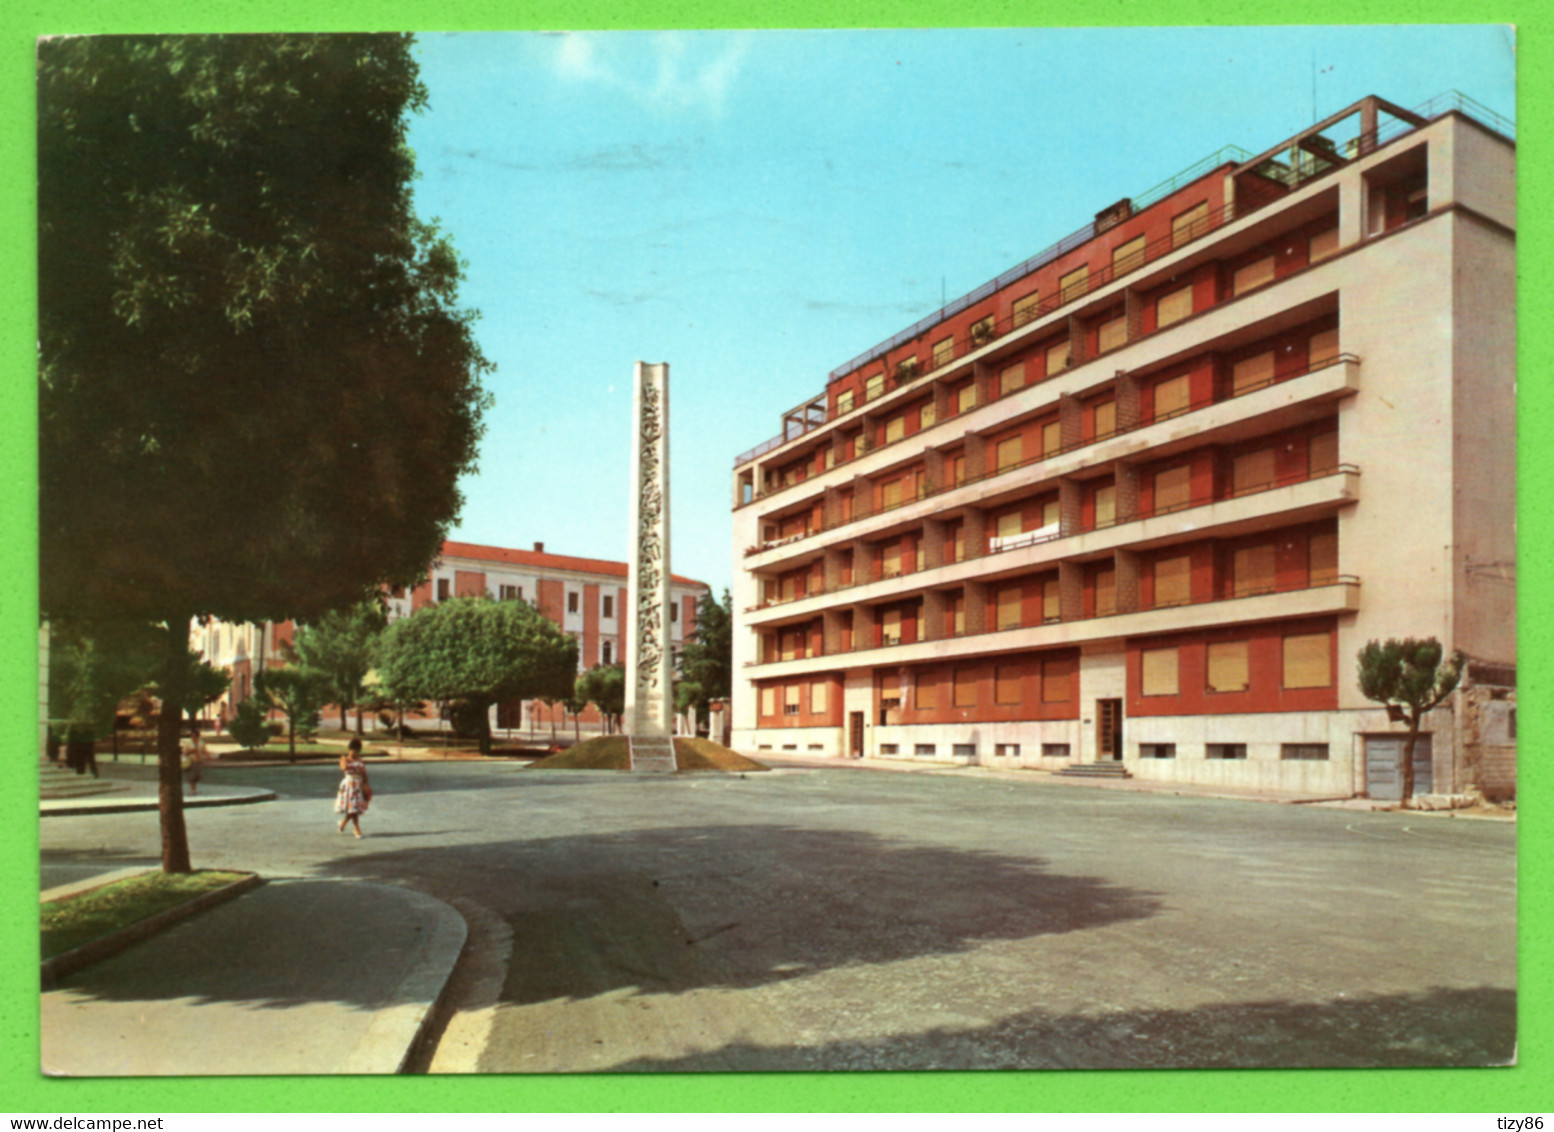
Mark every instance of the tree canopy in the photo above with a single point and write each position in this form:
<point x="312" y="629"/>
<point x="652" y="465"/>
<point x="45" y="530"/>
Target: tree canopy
<point x="343" y="644"/>
<point x="604" y="686"/>
<point x="257" y="391"/>
<point x="298" y="692"/>
<point x="477" y="652"/>
<point x="707" y="662"/>
<point x="1411" y="677"/>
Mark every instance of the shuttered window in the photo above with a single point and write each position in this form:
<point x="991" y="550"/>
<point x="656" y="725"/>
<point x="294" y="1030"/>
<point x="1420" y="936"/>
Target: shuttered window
<point x="789" y="587"/>
<point x="1190" y="225"/>
<point x="1051" y="513"/>
<point x="895" y="429"/>
<point x="1172" y="397"/>
<point x="1051" y="600"/>
<point x="965" y="687"/>
<point x="943" y="351"/>
<point x="818" y="697"/>
<point x="1007" y="524"/>
<point x="1173" y="581"/>
<point x="1006" y="684"/>
<point x="1009" y="608"/>
<point x="1308" y="661"/>
<point x="1252" y="570"/>
<point x="1113" y="333"/>
<point x="927" y="415"/>
<point x="790" y="644"/>
<point x="1173" y="489"/>
<point x="925" y="693"/>
<point x="1323" y="558"/>
<point x="790" y="699"/>
<point x="1051" y="438"/>
<point x="890" y="627"/>
<point x="1011" y="379"/>
<point x="1251" y="373"/>
<point x="1158" y="672"/>
<point x="1026" y="308"/>
<point x="1322" y="245"/>
<point x="768" y="701"/>
<point x="1173" y="307"/>
<point x="957" y="541"/>
<point x="1323" y="348"/>
<point x="1105" y="419"/>
<point x="1075" y="283"/>
<point x="873" y="387"/>
<point x="890" y="494"/>
<point x="890" y="689"/>
<point x="1258" y="273"/>
<point x="1252" y="471"/>
<point x="1057" y="680"/>
<point x="1008" y="453"/>
<point x="1105" y="506"/>
<point x="890" y="559"/>
<point x="958" y="469"/>
<point x="844" y="402"/>
<point x="955" y="613"/>
<point x="1105" y="592"/>
<point x="966" y="398"/>
<point x="1229" y="669"/>
<point x="1125" y="257"/>
<point x="1057" y="358"/>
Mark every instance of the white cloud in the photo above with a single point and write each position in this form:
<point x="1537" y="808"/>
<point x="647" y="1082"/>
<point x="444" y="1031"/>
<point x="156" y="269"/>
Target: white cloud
<point x="674" y="74"/>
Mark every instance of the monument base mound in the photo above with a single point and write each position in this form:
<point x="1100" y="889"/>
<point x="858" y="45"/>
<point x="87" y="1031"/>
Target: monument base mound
<point x="610" y="752"/>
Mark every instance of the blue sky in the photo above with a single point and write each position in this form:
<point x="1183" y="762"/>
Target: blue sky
<point x="756" y="208"/>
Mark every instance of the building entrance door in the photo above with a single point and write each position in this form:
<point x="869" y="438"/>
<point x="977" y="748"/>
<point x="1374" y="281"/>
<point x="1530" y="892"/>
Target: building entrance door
<point x="1108" y="729"/>
<point x="1383" y="766"/>
<point x="855" y="735"/>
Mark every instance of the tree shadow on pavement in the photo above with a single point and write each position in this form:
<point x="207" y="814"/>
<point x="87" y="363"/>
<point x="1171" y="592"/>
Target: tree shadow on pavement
<point x="1438" y="1027"/>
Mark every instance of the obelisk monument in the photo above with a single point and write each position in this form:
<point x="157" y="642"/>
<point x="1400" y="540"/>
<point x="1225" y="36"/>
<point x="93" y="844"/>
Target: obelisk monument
<point x="649" y="662"/>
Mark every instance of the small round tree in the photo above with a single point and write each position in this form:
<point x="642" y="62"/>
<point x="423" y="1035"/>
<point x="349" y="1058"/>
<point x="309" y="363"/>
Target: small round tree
<point x="1410" y="678"/>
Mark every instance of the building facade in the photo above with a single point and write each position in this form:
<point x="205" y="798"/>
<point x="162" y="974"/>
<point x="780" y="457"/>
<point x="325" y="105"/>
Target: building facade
<point x="1144" y="498"/>
<point x="586" y="597"/>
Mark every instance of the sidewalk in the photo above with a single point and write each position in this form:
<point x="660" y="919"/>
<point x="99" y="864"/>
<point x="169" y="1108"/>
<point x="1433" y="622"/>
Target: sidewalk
<point x="126" y="795"/>
<point x="297" y="976"/>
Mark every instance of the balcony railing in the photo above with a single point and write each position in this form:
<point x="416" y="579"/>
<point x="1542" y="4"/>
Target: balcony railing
<point x="930" y="490"/>
<point x="1037" y="537"/>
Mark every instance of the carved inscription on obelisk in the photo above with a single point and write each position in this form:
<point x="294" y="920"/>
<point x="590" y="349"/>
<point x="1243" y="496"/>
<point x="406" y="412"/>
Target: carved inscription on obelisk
<point x="649" y="671"/>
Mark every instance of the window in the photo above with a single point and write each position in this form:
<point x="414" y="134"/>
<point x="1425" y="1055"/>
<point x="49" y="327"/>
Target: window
<point x="927" y="415"/>
<point x="1008" y="453"/>
<point x="1075" y="283"/>
<point x="1315" y="752"/>
<point x="844" y="402"/>
<point x="924" y="750"/>
<point x="609" y="607"/>
<point x="873" y="386"/>
<point x="1007" y="524"/>
<point x="1125" y="257"/>
<point x="1229" y="668"/>
<point x="1026" y="308"/>
<point x="513" y="593"/>
<point x="1157" y="750"/>
<point x="1173" y="581"/>
<point x="895" y="429"/>
<point x="890" y="627"/>
<point x="1106" y="506"/>
<point x="1113" y="333"/>
<point x="1173" y="489"/>
<point x="1006" y="684"/>
<point x="1051" y="438"/>
<point x="1173" y="307"/>
<point x="966" y="397"/>
<point x="1106" y="592"/>
<point x="1189" y="225"/>
<point x="1006" y="750"/>
<point x="1322" y="349"/>
<point x="788" y="645"/>
<point x="768" y="701"/>
<point x="674" y="611"/>
<point x="926" y="694"/>
<point x="1258" y="273"/>
<point x="1105" y="419"/>
<point x="1172" y="397"/>
<point x="790" y="699"/>
<point x="1308" y="661"/>
<point x="890" y="692"/>
<point x="955" y="612"/>
<point x="1051" y="601"/>
<point x="964" y="750"/>
<point x="889" y="748"/>
<point x="890" y="495"/>
<point x="1324" y="452"/>
<point x="817" y="697"/>
<point x="1251" y="471"/>
<point x="1225" y="751"/>
<point x="1058" y="358"/>
<point x="982" y="330"/>
<point x="1011" y="379"/>
<point x="606" y="654"/>
<point x="943" y="352"/>
<point x="1252" y="570"/>
<point x="1322" y="245"/>
<point x="1251" y="373"/>
<point x="1158" y="672"/>
<point x="965" y="687"/>
<point x="442" y="589"/>
<point x="1322" y="560"/>
<point x="1008" y="608"/>
<point x="1051" y="514"/>
<point x="1057" y="680"/>
<point x="572" y="602"/>
<point x="1054" y="750"/>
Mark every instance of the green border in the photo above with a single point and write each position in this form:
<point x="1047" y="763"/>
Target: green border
<point x="1523" y="1089"/>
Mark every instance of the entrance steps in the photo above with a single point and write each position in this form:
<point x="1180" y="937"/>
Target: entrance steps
<point x="651" y="754"/>
<point x="1095" y="770"/>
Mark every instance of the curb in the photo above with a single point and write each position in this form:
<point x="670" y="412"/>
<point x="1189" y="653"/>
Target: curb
<point x="137" y="805"/>
<point x="104" y="947"/>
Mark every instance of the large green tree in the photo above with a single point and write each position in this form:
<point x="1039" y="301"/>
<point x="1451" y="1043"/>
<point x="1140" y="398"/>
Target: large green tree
<point x="1410" y="677"/>
<point x="707" y="662"/>
<point x="92" y="666"/>
<point x="604" y="686"/>
<point x="297" y="692"/>
<point x="343" y="644"/>
<point x="257" y="391"/>
<point x="474" y="652"/>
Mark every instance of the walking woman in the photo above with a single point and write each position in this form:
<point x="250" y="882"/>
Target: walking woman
<point x="355" y="791"/>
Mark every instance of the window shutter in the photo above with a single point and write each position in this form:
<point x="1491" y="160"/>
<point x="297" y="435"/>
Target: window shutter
<point x="1125" y="257"/>
<point x="1105" y="592"/>
<point x="1322" y="349"/>
<point x="1051" y="438"/>
<point x="1113" y="333"/>
<point x="1250" y="373"/>
<point x="790" y="697"/>
<point x="1189" y="225"/>
<point x="890" y="627"/>
<point x="1008" y="453"/>
<point x="1105" y="506"/>
<point x="1256" y="274"/>
<point x="1006" y="684"/>
<point x="1323" y="558"/>
<point x="1252" y="471"/>
<point x="1253" y="570"/>
<point x="966" y="398"/>
<point x="1009" y="607"/>
<point x="873" y="387"/>
<point x="1011" y="379"/>
<point x="1172" y="397"/>
<point x="1026" y="308"/>
<point x="768" y="701"/>
<point x="1158" y="670"/>
<point x="1057" y="680"/>
<point x="1173" y="581"/>
<point x="1051" y="512"/>
<point x="895" y="429"/>
<point x="890" y="494"/>
<point x="1229" y="670"/>
<point x="817" y="698"/>
<point x="1075" y="283"/>
<point x="1105" y="419"/>
<point x="1173" y="489"/>
<point x="1173" y="307"/>
<point x="927" y="415"/>
<point x="1322" y="245"/>
<point x="844" y="402"/>
<point x="1324" y="452"/>
<point x="1057" y="358"/>
<point x="1051" y="600"/>
<point x="943" y="351"/>
<point x="1008" y="524"/>
<point x="1308" y="661"/>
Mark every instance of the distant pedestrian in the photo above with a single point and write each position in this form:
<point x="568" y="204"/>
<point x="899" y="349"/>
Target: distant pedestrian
<point x="194" y="764"/>
<point x="355" y="791"/>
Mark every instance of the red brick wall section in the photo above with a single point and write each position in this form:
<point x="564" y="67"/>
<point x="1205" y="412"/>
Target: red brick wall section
<point x="590" y="642"/>
<point x="469" y="583"/>
<point x="421" y="596"/>
<point x="831" y="717"/>
<point x="1265" y="672"/>
<point x="1048" y="689"/>
<point x="552" y="595"/>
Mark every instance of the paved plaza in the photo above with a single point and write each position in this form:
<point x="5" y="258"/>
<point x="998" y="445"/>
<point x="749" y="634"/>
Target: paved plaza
<point x="841" y="919"/>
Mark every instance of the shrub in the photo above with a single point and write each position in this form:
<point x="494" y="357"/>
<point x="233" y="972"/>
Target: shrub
<point x="249" y="726"/>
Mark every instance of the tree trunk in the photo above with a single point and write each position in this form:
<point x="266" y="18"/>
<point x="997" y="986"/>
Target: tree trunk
<point x="577" y="727"/>
<point x="1406" y="771"/>
<point x="345" y="720"/>
<point x="175" y="671"/>
<point x="359" y="731"/>
<point x="291" y="735"/>
<point x="485" y="729"/>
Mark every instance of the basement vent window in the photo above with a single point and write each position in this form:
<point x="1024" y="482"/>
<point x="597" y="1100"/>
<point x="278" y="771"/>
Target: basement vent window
<point x="1157" y="750"/>
<point x="925" y="750"/>
<point x="965" y="750"/>
<point x="763" y="746"/>
<point x="817" y="746"/>
<point x="1310" y="752"/>
<point x="790" y="746"/>
<point x="1226" y="751"/>
<point x="1006" y="750"/>
<point x="889" y="748"/>
<point x="1054" y="750"/>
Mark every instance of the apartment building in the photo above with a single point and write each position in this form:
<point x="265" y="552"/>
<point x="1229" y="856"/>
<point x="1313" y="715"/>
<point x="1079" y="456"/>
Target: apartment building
<point x="586" y="597"/>
<point x="1141" y="500"/>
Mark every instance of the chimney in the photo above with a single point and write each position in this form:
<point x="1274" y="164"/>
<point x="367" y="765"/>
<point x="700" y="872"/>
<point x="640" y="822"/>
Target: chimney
<point x="539" y="548"/>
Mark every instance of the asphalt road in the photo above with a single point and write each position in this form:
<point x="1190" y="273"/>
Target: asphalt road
<point x="844" y="919"/>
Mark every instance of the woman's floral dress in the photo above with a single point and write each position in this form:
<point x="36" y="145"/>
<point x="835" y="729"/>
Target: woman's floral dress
<point x="351" y="798"/>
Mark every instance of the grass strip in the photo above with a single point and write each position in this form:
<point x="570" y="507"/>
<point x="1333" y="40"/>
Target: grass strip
<point x="76" y="920"/>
